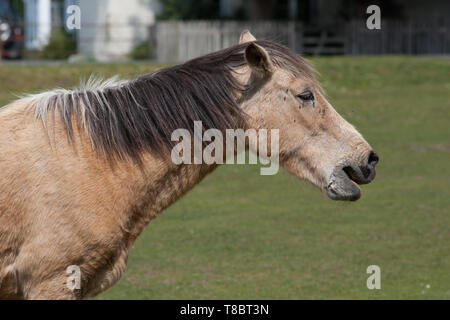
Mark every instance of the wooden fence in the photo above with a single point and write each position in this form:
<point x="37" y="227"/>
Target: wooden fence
<point x="177" y="41"/>
<point x="399" y="37"/>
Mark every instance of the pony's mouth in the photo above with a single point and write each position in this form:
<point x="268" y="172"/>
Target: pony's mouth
<point x="342" y="185"/>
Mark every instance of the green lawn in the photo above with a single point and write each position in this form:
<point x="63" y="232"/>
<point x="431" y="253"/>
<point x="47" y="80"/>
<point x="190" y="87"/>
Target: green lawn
<point x="239" y="235"/>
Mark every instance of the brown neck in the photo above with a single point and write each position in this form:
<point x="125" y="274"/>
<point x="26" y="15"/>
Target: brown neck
<point x="155" y="188"/>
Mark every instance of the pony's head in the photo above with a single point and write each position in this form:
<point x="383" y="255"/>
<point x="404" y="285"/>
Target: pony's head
<point x="256" y="84"/>
<point x="315" y="142"/>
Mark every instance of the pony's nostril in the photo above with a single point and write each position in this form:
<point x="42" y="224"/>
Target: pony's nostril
<point x="373" y="159"/>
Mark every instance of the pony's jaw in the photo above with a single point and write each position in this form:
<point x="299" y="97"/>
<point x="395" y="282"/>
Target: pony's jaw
<point x="341" y="187"/>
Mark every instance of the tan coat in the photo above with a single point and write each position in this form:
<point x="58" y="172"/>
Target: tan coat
<point x="61" y="204"/>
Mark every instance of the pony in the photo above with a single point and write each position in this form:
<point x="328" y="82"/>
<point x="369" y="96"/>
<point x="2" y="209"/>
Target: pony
<point x="83" y="171"/>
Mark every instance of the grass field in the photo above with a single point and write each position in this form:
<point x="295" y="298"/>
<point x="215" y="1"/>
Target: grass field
<point x="239" y="235"/>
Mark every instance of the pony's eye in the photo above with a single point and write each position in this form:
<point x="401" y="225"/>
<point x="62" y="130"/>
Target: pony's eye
<point x="306" y="96"/>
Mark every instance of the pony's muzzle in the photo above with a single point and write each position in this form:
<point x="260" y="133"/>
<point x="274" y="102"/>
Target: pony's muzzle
<point x="365" y="173"/>
<point x="345" y="180"/>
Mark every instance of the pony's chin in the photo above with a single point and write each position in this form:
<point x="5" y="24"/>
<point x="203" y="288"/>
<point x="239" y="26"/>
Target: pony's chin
<point x="341" y="187"/>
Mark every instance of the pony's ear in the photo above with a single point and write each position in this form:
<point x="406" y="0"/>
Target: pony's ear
<point x="246" y="36"/>
<point x="258" y="59"/>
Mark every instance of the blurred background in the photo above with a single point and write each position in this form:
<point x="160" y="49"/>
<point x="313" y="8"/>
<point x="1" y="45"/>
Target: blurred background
<point x="177" y="30"/>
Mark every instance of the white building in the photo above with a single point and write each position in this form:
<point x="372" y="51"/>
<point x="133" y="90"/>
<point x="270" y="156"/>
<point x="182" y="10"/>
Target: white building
<point x="41" y="17"/>
<point x="110" y="29"/>
<point x="38" y="23"/>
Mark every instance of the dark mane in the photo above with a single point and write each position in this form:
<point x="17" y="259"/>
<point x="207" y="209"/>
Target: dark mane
<point x="125" y="119"/>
